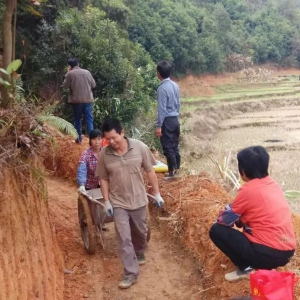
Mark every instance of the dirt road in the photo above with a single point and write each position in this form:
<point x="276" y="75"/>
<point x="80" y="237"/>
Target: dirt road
<point x="168" y="274"/>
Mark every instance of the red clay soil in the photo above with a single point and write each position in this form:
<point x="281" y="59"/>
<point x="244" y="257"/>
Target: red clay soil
<point x="202" y="85"/>
<point x="31" y="264"/>
<point x="62" y="160"/>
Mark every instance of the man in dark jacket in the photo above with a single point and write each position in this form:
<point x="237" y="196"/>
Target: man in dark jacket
<point x="80" y="83"/>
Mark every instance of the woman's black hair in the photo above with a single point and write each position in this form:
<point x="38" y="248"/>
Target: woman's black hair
<point x="253" y="162"/>
<point x="94" y="134"/>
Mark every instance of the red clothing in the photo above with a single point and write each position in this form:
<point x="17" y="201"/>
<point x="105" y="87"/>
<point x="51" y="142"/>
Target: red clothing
<point x="104" y="142"/>
<point x="262" y="207"/>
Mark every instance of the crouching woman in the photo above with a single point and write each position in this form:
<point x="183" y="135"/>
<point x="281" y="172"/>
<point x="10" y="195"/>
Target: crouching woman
<point x="260" y="208"/>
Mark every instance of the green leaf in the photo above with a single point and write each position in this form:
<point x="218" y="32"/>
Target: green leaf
<point x="4" y="82"/>
<point x="14" y="66"/>
<point x="292" y="194"/>
<point x="59" y="123"/>
<point x="4" y="71"/>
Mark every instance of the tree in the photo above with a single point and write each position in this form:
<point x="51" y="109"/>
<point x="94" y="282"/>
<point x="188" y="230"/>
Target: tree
<point x="9" y="33"/>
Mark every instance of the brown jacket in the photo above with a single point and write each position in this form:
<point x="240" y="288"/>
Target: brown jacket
<point x="80" y="83"/>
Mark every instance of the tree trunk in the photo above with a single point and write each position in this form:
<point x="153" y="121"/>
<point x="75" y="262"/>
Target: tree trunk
<point x="7" y="46"/>
<point x="14" y="33"/>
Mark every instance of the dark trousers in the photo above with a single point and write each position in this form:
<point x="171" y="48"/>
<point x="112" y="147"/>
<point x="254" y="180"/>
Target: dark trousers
<point x="169" y="141"/>
<point x="244" y="253"/>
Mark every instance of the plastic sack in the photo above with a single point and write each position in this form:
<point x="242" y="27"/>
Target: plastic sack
<point x="160" y="167"/>
<point x="272" y="285"/>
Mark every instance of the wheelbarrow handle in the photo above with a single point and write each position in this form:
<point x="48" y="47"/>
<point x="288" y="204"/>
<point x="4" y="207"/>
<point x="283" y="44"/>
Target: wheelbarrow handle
<point x="99" y="203"/>
<point x="150" y="196"/>
<point x="91" y="199"/>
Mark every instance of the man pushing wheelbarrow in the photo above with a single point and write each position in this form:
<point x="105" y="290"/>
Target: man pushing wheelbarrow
<point x="120" y="170"/>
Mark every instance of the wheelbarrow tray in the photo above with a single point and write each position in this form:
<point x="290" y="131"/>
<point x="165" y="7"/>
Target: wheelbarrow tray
<point x="92" y="216"/>
<point x="97" y="210"/>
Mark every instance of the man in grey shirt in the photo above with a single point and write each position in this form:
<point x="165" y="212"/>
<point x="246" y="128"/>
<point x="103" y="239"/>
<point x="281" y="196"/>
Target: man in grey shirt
<point x="80" y="83"/>
<point x="167" y="126"/>
<point x="120" y="168"/>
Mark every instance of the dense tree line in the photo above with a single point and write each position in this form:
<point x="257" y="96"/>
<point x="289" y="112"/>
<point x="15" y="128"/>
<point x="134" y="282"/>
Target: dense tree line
<point x="120" y="41"/>
<point x="196" y="35"/>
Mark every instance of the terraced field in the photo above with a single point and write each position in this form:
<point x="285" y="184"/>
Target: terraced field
<point x="239" y="115"/>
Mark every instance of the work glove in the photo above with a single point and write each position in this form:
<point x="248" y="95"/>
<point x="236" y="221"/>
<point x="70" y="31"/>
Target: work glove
<point x="82" y="189"/>
<point x="159" y="200"/>
<point x="108" y="208"/>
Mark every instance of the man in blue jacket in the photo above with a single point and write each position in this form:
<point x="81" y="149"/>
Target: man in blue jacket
<point x="167" y="126"/>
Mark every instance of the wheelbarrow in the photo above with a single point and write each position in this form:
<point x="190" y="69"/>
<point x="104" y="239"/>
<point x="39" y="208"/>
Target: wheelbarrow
<point x="92" y="217"/>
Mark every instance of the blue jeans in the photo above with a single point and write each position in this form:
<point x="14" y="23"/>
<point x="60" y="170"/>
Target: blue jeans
<point x="86" y="110"/>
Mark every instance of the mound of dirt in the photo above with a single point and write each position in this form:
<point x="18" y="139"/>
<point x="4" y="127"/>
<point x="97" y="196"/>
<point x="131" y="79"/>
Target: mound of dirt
<point x="193" y="203"/>
<point x="62" y="160"/>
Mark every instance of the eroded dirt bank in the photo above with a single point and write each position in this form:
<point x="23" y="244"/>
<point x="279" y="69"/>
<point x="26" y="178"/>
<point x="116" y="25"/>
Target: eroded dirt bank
<point x="31" y="264"/>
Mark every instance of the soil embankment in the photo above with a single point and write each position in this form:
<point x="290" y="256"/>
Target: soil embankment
<point x="31" y="264"/>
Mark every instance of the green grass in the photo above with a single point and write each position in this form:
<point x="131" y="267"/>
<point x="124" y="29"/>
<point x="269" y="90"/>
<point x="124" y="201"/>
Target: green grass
<point x="243" y="94"/>
<point x="287" y="87"/>
<point x="204" y="103"/>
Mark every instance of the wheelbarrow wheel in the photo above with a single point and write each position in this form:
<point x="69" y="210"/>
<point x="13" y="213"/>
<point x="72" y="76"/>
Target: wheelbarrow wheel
<point x="86" y="225"/>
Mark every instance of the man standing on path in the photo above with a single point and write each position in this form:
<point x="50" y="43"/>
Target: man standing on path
<point x="167" y="126"/>
<point x="80" y="83"/>
<point x="120" y="169"/>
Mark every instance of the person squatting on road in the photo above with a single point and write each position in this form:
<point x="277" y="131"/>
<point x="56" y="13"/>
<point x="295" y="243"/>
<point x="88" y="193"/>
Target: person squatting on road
<point x="167" y="126"/>
<point x="120" y="169"/>
<point x="80" y="83"/>
<point x="260" y="208"/>
<point x="86" y="177"/>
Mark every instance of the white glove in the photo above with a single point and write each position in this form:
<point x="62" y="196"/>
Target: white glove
<point x="108" y="208"/>
<point x="82" y="189"/>
<point x="159" y="200"/>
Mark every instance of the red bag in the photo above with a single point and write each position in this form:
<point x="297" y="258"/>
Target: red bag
<point x="272" y="285"/>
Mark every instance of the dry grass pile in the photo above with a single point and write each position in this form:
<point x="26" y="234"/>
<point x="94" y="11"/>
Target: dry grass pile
<point x="21" y="136"/>
<point x="192" y="204"/>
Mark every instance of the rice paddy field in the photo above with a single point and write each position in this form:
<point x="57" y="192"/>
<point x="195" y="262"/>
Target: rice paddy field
<point x="240" y="114"/>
